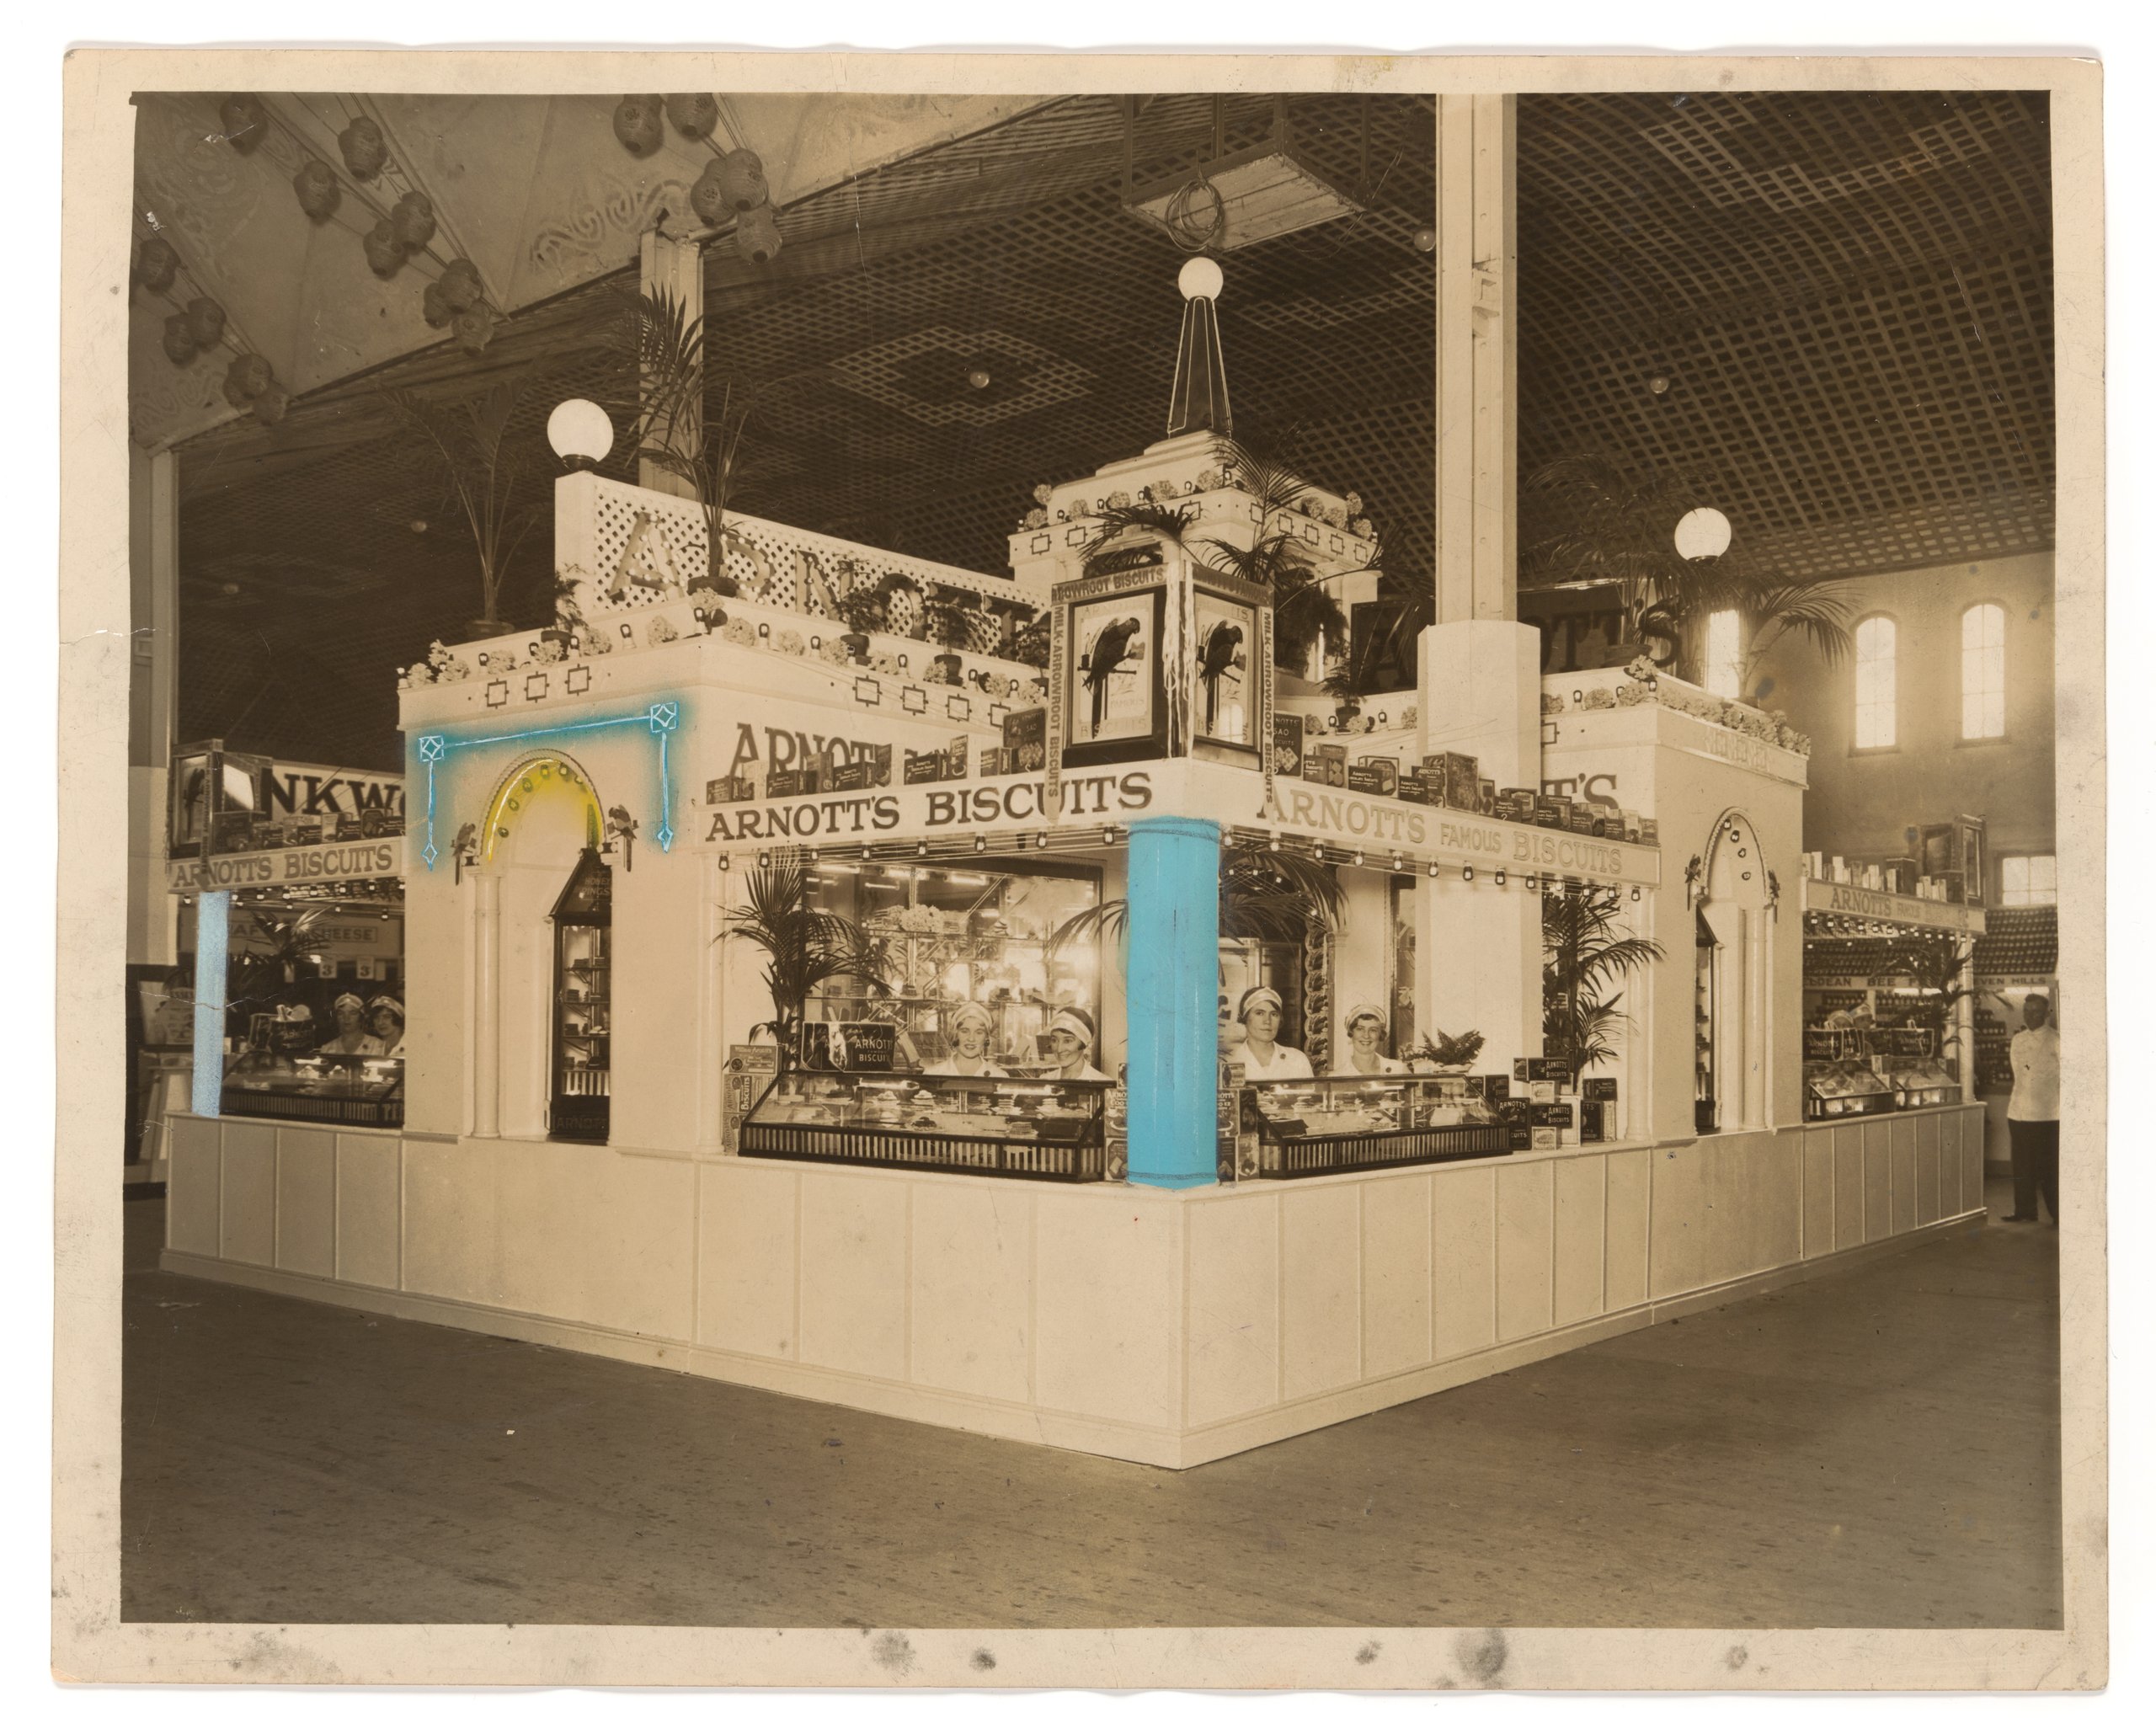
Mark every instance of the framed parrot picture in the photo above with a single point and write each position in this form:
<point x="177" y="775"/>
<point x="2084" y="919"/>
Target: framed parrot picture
<point x="1226" y="661"/>
<point x="1113" y="702"/>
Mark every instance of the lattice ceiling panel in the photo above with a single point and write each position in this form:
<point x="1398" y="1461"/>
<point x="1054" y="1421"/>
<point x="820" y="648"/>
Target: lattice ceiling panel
<point x="1849" y="296"/>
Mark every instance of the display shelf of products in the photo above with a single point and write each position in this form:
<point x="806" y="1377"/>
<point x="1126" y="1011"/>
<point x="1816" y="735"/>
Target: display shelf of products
<point x="1838" y="1089"/>
<point x="1030" y="1129"/>
<point x="1340" y="1125"/>
<point x="340" y="1089"/>
<point x="2020" y="944"/>
<point x="580" y="1107"/>
<point x="952" y="936"/>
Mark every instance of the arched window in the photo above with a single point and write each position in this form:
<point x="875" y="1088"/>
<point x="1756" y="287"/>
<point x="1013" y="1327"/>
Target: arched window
<point x="1984" y="672"/>
<point x="1875" y="682"/>
<point x="1724" y="653"/>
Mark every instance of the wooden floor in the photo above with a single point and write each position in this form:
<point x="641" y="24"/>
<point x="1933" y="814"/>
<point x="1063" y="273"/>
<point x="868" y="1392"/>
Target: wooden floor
<point x="1877" y="1449"/>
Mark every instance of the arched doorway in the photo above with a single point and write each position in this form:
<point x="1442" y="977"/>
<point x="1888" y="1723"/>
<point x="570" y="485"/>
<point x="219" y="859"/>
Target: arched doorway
<point x="543" y="938"/>
<point x="1732" y="996"/>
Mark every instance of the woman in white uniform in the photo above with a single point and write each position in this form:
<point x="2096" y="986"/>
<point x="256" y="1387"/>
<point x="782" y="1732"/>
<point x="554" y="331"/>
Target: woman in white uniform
<point x="386" y="1013"/>
<point x="1069" y="1038"/>
<point x="351" y="1037"/>
<point x="1259" y="1053"/>
<point x="1365" y="1027"/>
<point x="971" y="1026"/>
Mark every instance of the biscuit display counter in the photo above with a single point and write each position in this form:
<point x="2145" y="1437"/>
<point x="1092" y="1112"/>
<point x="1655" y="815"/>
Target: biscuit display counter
<point x="1040" y="1129"/>
<point x="1343" y="1125"/>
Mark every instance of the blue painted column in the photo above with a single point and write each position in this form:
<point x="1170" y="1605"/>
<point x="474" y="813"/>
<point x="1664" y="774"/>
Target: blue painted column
<point x="1172" y="1012"/>
<point x="213" y="915"/>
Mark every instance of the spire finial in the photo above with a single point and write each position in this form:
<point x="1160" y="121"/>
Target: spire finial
<point x="1200" y="401"/>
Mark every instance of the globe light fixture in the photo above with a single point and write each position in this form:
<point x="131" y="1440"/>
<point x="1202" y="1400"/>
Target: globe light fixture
<point x="1199" y="280"/>
<point x="581" y="433"/>
<point x="1702" y="534"/>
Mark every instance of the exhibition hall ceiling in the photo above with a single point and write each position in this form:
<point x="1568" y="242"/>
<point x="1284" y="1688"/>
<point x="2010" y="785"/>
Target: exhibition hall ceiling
<point x="1845" y="300"/>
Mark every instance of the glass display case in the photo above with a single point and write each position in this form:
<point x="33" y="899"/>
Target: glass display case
<point x="1037" y="1128"/>
<point x="342" y="1089"/>
<point x="1706" y="1115"/>
<point x="1338" y="1125"/>
<point x="584" y="920"/>
<point x="976" y="934"/>
<point x="1836" y="1089"/>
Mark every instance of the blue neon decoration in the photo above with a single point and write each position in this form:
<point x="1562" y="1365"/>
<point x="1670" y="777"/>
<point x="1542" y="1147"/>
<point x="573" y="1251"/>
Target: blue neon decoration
<point x="212" y="939"/>
<point x="662" y="717"/>
<point x="1173" y="981"/>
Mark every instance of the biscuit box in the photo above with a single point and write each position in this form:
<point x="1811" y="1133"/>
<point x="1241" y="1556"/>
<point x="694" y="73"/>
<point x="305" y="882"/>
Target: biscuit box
<point x="1025" y="740"/>
<point x="783" y="783"/>
<point x="1413" y="788"/>
<point x="724" y="791"/>
<point x="1599" y="1089"/>
<point x="1497" y="1087"/>
<point x="879" y="762"/>
<point x="1287" y="743"/>
<point x="1375" y="775"/>
<point x="1463" y="783"/>
<point x="1531" y="1071"/>
<point x="1650" y="834"/>
<point x="924" y="767"/>
<point x="1541" y="1137"/>
<point x="852" y="776"/>
<point x="991" y="761"/>
<point x="1553" y="810"/>
<point x="1592" y="1121"/>
<point x="954" y="758"/>
<point x="1329" y="763"/>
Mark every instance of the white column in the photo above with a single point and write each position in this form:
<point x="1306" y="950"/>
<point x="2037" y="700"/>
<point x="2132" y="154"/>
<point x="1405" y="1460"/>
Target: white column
<point x="1477" y="358"/>
<point x="486" y="1007"/>
<point x="152" y="912"/>
<point x="1478" y="946"/>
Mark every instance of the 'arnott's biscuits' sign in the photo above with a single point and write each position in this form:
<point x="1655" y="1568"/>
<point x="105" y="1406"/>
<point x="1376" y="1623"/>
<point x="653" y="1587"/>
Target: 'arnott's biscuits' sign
<point x="1834" y="899"/>
<point x="377" y="858"/>
<point x="990" y="804"/>
<point x="1330" y="816"/>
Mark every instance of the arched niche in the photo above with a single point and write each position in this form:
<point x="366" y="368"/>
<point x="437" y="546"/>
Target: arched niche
<point x="543" y="817"/>
<point x="1733" y="990"/>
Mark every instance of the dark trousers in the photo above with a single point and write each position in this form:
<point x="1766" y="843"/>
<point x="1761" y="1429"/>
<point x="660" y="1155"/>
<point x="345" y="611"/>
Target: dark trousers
<point x="2035" y="1147"/>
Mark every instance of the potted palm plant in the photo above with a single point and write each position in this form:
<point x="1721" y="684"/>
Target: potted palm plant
<point x="468" y="437"/>
<point x="863" y="611"/>
<point x="1278" y="559"/>
<point x="946" y="620"/>
<point x="803" y="948"/>
<point x="1584" y="952"/>
<point x="1271" y="897"/>
<point x="657" y="343"/>
<point x="1596" y="519"/>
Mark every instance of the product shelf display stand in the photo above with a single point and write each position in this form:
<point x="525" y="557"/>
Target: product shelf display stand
<point x="583" y="919"/>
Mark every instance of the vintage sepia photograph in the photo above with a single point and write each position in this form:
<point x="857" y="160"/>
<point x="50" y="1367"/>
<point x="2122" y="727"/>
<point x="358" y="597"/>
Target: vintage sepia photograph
<point x="915" y="870"/>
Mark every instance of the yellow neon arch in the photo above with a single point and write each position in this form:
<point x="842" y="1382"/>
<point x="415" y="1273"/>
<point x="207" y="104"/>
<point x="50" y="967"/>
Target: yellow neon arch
<point x="547" y="776"/>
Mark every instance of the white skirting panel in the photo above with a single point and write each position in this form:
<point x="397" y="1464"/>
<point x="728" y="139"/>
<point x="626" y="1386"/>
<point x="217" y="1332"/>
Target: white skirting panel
<point x="1167" y="1328"/>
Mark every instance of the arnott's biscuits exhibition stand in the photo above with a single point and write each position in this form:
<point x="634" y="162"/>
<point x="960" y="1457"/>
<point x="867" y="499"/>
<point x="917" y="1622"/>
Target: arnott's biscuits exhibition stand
<point x="939" y="1213"/>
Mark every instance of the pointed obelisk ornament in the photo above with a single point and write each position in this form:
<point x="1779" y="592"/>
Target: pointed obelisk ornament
<point x="1200" y="402"/>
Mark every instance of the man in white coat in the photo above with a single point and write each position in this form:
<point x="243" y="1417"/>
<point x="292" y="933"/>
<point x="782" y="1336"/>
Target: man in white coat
<point x="2032" y="1113"/>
